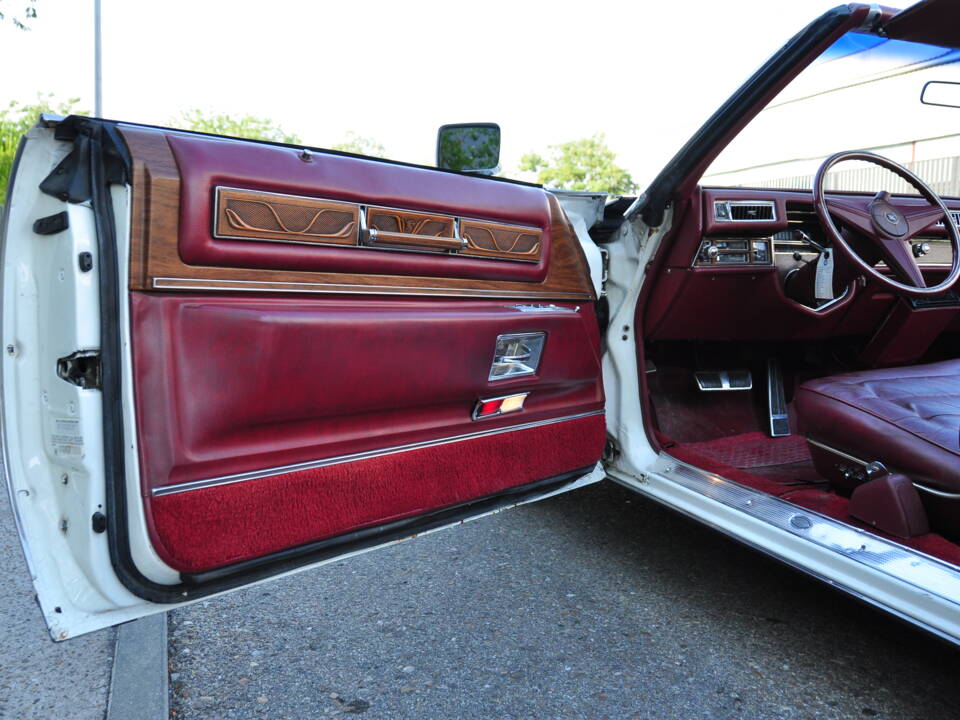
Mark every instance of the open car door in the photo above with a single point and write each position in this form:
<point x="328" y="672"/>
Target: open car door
<point x="226" y="360"/>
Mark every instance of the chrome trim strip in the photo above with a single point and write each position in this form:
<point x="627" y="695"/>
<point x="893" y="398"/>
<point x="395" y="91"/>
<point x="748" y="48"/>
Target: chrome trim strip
<point x="842" y="454"/>
<point x="938" y="493"/>
<point x="353" y="457"/>
<point x="551" y="308"/>
<point x="913" y="567"/>
<point x="175" y="283"/>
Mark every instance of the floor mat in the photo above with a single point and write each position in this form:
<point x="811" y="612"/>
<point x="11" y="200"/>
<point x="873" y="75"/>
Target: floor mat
<point x="754" y="450"/>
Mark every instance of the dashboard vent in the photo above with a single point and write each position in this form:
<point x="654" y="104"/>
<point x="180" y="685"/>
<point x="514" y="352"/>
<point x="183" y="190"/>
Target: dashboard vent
<point x="744" y="211"/>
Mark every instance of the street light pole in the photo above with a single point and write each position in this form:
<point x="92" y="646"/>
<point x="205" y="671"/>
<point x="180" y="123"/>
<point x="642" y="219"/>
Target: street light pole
<point x="97" y="90"/>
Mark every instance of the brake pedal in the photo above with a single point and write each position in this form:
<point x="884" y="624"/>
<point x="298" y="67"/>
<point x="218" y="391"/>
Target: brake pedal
<point x="714" y="380"/>
<point x="776" y="401"/>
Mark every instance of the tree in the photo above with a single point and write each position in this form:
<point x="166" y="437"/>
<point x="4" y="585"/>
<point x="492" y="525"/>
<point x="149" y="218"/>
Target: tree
<point x="244" y="126"/>
<point x="15" y="120"/>
<point x="585" y="164"/>
<point x="29" y="13"/>
<point x="360" y="145"/>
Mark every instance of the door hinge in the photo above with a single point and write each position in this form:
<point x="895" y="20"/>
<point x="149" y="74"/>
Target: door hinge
<point x="611" y="451"/>
<point x="81" y="368"/>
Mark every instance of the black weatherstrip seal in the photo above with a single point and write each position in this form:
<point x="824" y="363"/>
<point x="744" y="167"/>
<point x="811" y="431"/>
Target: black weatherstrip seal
<point x="663" y="188"/>
<point x="100" y="159"/>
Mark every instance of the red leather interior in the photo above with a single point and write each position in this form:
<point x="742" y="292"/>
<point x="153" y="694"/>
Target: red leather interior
<point x="906" y="417"/>
<point x="230" y="384"/>
<point x="204" y="529"/>
<point x="206" y="163"/>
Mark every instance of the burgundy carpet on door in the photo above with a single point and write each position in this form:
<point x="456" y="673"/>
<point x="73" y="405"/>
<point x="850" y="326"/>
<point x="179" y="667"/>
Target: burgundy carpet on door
<point x="204" y="529"/>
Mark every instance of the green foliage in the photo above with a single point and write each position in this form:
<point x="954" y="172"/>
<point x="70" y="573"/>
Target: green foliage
<point x="243" y="126"/>
<point x="585" y="164"/>
<point x="469" y="148"/>
<point x="15" y="120"/>
<point x="360" y="145"/>
<point x="29" y="13"/>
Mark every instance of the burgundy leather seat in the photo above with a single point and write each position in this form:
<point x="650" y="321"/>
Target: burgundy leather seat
<point x="906" y="417"/>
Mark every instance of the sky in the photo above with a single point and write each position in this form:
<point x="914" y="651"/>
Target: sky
<point x="645" y="74"/>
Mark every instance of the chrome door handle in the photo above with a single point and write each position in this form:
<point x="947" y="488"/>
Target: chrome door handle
<point x="516" y="355"/>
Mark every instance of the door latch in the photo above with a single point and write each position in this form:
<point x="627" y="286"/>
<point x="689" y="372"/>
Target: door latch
<point x="81" y="368"/>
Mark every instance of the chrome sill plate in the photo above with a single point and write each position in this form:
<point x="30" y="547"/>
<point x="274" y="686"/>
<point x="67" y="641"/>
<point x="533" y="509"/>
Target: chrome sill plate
<point x="931" y="575"/>
<point x="908" y="583"/>
<point x="267" y="472"/>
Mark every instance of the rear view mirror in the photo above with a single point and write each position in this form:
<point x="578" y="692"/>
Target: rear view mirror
<point x="469" y="147"/>
<point x="944" y="94"/>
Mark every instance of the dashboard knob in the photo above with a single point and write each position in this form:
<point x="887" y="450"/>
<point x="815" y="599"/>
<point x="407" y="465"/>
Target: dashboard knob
<point x="920" y="249"/>
<point x="712" y="251"/>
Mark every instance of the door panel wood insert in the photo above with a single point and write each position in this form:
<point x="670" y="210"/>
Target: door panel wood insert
<point x="495" y="240"/>
<point x="156" y="264"/>
<point x="388" y="220"/>
<point x="252" y="215"/>
<point x="388" y="227"/>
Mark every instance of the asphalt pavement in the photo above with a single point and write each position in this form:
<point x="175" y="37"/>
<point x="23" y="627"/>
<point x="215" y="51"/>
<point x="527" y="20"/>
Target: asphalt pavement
<point x="594" y="604"/>
<point x="41" y="679"/>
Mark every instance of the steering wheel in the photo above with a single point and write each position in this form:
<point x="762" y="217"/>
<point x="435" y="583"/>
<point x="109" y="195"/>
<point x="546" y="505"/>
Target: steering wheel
<point x="888" y="224"/>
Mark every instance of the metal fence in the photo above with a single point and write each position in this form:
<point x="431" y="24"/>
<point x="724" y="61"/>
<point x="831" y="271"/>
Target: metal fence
<point x="941" y="174"/>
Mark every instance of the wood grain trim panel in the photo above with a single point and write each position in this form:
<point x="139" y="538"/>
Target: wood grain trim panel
<point x="155" y="262"/>
<point x="496" y="240"/>
<point x="255" y="215"/>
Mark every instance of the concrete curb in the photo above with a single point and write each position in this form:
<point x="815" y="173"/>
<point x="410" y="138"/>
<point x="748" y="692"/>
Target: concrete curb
<point x="138" y="684"/>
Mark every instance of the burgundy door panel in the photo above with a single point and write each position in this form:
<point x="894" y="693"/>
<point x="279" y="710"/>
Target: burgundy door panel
<point x="273" y="412"/>
<point x="227" y="385"/>
<point x="206" y="163"/>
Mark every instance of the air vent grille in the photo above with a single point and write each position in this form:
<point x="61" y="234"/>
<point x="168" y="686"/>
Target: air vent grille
<point x="751" y="212"/>
<point x="744" y="211"/>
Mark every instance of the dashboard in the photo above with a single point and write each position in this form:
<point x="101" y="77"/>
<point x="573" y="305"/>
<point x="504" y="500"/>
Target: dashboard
<point x="734" y="251"/>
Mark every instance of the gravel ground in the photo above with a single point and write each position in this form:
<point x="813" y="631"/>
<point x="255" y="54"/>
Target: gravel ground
<point x="41" y="679"/>
<point x="593" y="604"/>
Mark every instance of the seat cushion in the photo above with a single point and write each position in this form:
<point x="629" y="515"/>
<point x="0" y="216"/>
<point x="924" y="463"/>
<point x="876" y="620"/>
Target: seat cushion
<point x="906" y="417"/>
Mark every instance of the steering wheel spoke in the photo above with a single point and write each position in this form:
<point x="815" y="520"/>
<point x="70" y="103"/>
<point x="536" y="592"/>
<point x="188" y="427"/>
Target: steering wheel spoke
<point x="899" y="257"/>
<point x="852" y="212"/>
<point x="921" y="218"/>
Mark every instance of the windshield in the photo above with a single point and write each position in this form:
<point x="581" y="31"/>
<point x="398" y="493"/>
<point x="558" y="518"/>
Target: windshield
<point x="863" y="93"/>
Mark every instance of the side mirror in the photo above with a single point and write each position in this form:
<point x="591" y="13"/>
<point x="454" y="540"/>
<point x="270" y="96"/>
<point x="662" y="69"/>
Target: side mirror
<point x="469" y="147"/>
<point x="944" y="94"/>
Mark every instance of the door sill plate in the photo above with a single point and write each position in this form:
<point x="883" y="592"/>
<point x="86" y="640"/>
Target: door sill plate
<point x="906" y="582"/>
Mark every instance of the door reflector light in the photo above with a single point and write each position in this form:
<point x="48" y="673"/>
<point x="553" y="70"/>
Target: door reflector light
<point x="492" y="407"/>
